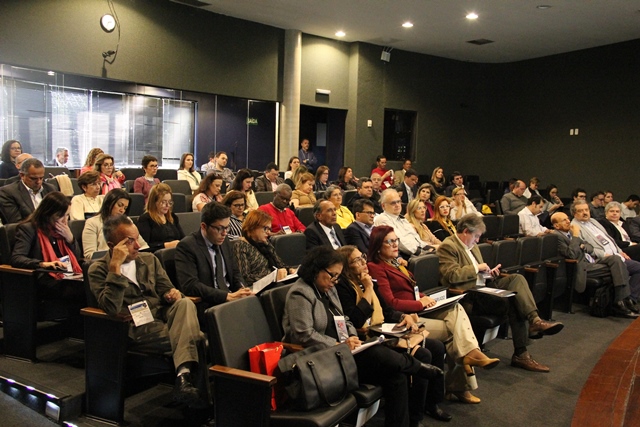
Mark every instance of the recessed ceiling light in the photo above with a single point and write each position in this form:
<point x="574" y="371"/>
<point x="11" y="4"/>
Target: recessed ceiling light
<point x="340" y="34"/>
<point x="543" y="7"/>
<point x="407" y="24"/>
<point x="472" y="15"/>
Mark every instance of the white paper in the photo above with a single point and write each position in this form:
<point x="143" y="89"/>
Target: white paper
<point x="259" y="285"/>
<point x="445" y="301"/>
<point x="140" y="313"/>
<point x="387" y="328"/>
<point x="365" y="346"/>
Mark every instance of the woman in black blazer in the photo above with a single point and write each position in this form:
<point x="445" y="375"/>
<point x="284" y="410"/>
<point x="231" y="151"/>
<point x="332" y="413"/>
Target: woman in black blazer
<point x="159" y="226"/>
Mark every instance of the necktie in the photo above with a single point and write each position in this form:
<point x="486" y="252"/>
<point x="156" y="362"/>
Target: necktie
<point x="334" y="238"/>
<point x="220" y="282"/>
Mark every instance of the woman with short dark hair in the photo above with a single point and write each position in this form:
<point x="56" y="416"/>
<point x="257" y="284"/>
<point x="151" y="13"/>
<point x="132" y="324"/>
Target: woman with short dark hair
<point x="143" y="184"/>
<point x="87" y="204"/>
<point x="322" y="178"/>
<point x="110" y="178"/>
<point x="10" y="150"/>
<point x="244" y="182"/>
<point x="237" y="202"/>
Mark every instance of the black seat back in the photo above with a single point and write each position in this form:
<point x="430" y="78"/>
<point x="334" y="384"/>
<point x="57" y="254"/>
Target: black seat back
<point x="291" y="248"/>
<point x="505" y="253"/>
<point x="179" y="203"/>
<point x="510" y="226"/>
<point x="487" y="253"/>
<point x="167" y="257"/>
<point x="305" y="215"/>
<point x="178" y="186"/>
<point x="7" y="239"/>
<point x="264" y="197"/>
<point x="136" y="206"/>
<point x="76" y="227"/>
<point x="189" y="221"/>
<point x="492" y="232"/>
<point x="425" y="271"/>
<point x="273" y="302"/>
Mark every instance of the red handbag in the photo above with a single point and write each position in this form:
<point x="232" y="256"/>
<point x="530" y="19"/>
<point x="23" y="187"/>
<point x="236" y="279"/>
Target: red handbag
<point x="263" y="359"/>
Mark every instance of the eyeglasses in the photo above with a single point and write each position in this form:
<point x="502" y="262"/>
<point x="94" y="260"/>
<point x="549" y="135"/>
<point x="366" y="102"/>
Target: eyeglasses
<point x="16" y="148"/>
<point x="220" y="228"/>
<point x="238" y="205"/>
<point x="372" y="213"/>
<point x="395" y="202"/>
<point x="166" y="203"/>
<point x="362" y="259"/>
<point x="153" y="166"/>
<point x="332" y="276"/>
<point x="267" y="228"/>
<point x="391" y="242"/>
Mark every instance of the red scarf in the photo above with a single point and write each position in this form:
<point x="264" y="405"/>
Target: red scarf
<point x="48" y="254"/>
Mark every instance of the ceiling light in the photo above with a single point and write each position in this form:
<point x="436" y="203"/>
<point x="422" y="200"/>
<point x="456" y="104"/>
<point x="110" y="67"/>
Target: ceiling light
<point x="407" y="24"/>
<point x="340" y="34"/>
<point x="543" y="7"/>
<point x="472" y="15"/>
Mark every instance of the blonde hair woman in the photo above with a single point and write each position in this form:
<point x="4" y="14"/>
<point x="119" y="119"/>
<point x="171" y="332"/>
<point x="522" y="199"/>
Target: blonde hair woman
<point x="303" y="194"/>
<point x="416" y="215"/>
<point x="158" y="225"/>
<point x="461" y="205"/>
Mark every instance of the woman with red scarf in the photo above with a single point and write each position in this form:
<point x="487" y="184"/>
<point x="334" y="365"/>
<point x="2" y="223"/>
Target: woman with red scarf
<point x="44" y="241"/>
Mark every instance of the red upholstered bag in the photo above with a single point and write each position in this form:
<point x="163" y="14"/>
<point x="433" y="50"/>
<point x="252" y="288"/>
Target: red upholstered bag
<point x="263" y="359"/>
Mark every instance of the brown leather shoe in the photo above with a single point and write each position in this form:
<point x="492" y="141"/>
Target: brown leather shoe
<point x="525" y="361"/>
<point x="542" y="327"/>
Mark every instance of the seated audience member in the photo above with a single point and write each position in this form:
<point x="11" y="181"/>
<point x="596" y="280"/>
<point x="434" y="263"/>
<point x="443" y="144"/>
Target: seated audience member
<point x="253" y="253"/>
<point x="365" y="192"/>
<point x="632" y="226"/>
<point x="126" y="276"/>
<point x="386" y="175"/>
<point x="19" y="199"/>
<point x="608" y="197"/>
<point x="603" y="245"/>
<point x="322" y="178"/>
<point x="346" y="181"/>
<point x="461" y="205"/>
<point x="144" y="183"/>
<point x="284" y="220"/>
<point x="427" y="194"/>
<point x="10" y="151"/>
<point x="91" y="159"/>
<point x="343" y="214"/>
<point x="515" y="201"/>
<point x="294" y="179"/>
<point x="294" y="163"/>
<point x="364" y="306"/>
<point x="629" y="206"/>
<point x="410" y="241"/>
<point x="596" y="207"/>
<point x="579" y="195"/>
<point x="547" y="207"/>
<point x="376" y="180"/>
<point x="44" y="240"/>
<point x="416" y="215"/>
<point x="108" y="178"/>
<point x="462" y="267"/>
<point x="205" y="266"/>
<point x="87" y="204"/>
<point x="303" y="194"/>
<point x="441" y="225"/>
<point x="187" y="172"/>
<point x="616" y="229"/>
<point x="210" y="165"/>
<point x="270" y="179"/>
<point x="451" y="325"/>
<point x="398" y="176"/>
<point x="244" y="183"/>
<point x="219" y="167"/>
<point x="237" y="202"/>
<point x="307" y="158"/>
<point x="61" y="158"/>
<point x="409" y="186"/>
<point x="19" y="160"/>
<point x="438" y="181"/>
<point x="115" y="203"/>
<point x="358" y="232"/>
<point x="532" y="189"/>
<point x="457" y="181"/>
<point x="307" y="322"/>
<point x="570" y="245"/>
<point x="324" y="230"/>
<point x="208" y="191"/>
<point x="528" y="218"/>
<point x="554" y="203"/>
<point x="158" y="225"/>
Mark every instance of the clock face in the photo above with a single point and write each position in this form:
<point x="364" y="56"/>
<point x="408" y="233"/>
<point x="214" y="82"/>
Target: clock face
<point x="108" y="23"/>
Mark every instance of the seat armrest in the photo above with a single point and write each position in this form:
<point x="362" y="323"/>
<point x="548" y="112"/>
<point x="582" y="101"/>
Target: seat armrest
<point x="549" y="264"/>
<point x="292" y="347"/>
<point x="195" y="300"/>
<point x="6" y="268"/>
<point x="528" y="269"/>
<point x="571" y="261"/>
<point x="242" y="375"/>
<point x="455" y="291"/>
<point x="99" y="313"/>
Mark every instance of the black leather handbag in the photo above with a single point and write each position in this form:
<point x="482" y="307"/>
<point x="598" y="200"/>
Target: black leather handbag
<point x="318" y="376"/>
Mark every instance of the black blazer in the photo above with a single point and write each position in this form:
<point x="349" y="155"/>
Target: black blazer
<point x="195" y="271"/>
<point x="613" y="232"/>
<point x="359" y="313"/>
<point x="355" y="235"/>
<point x="376" y="204"/>
<point x="405" y="197"/>
<point x="15" y="202"/>
<point x="317" y="237"/>
<point x="156" y="235"/>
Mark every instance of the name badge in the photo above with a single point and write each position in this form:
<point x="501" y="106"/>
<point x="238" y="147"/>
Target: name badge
<point x="341" y="327"/>
<point x="286" y="229"/>
<point x="65" y="259"/>
<point x="416" y="292"/>
<point x="140" y="313"/>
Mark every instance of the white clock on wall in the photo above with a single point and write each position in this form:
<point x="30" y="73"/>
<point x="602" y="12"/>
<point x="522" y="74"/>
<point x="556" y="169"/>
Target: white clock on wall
<point x="108" y="23"/>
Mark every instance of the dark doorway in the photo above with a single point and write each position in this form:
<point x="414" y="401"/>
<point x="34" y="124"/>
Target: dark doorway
<point x="399" y="134"/>
<point x="324" y="128"/>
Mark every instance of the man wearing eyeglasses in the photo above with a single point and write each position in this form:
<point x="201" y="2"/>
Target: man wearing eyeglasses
<point x="284" y="220"/>
<point x="410" y="241"/>
<point x="205" y="266"/>
<point x="365" y="191"/>
<point x="20" y="199"/>
<point x="359" y="231"/>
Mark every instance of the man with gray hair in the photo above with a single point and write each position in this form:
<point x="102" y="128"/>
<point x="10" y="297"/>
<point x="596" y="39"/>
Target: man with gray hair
<point x="513" y="202"/>
<point x="285" y="220"/>
<point x="617" y="228"/>
<point x="365" y="192"/>
<point x="410" y="242"/>
<point x="462" y="267"/>
<point x="19" y="160"/>
<point x="61" y="158"/>
<point x="324" y="231"/>
<point x="20" y="199"/>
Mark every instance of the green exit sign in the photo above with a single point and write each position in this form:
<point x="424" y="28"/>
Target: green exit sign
<point x="253" y="122"/>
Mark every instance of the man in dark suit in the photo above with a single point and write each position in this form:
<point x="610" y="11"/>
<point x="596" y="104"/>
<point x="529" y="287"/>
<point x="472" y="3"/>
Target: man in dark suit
<point x="205" y="266"/>
<point x="270" y="180"/>
<point x="409" y="186"/>
<point x="571" y="245"/>
<point x="324" y="230"/>
<point x="359" y="231"/>
<point x="20" y="199"/>
<point x="617" y="229"/>
<point x="365" y="192"/>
